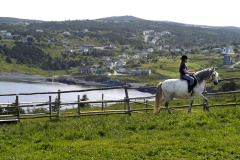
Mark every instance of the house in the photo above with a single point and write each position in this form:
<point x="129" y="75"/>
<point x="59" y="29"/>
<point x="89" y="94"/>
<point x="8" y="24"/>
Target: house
<point x="205" y="51"/>
<point x="122" y="70"/>
<point x="106" y="59"/>
<point x="228" y="60"/>
<point x="65" y="42"/>
<point x="110" y="64"/>
<point x="139" y="72"/>
<point x="107" y="74"/>
<point x="69" y="50"/>
<point x="39" y="30"/>
<point x="146" y="72"/>
<point x="149" y="50"/>
<point x="83" y="49"/>
<point x="119" y="64"/>
<point x="9" y="36"/>
<point x="228" y="50"/>
<point x="100" y="71"/>
<point x="3" y="32"/>
<point x="84" y="70"/>
<point x="123" y="55"/>
<point x="142" y="55"/>
<point x="85" y="30"/>
<point x="148" y="31"/>
<point x="126" y="46"/>
<point x="216" y="49"/>
<point x="135" y="56"/>
<point x="67" y="33"/>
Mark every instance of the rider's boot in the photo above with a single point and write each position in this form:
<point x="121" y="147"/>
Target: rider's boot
<point x="190" y="89"/>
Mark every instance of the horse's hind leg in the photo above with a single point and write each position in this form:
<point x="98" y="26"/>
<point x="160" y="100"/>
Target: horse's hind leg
<point x="166" y="105"/>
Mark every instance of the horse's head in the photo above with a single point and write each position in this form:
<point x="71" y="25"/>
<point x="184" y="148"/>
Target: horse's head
<point x="214" y="76"/>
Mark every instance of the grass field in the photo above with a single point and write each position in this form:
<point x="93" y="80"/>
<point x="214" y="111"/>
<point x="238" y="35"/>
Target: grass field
<point x="199" y="135"/>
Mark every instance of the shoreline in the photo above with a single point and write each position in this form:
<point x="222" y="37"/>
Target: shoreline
<point x="70" y="80"/>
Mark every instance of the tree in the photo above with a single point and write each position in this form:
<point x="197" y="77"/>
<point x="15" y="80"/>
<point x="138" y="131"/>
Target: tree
<point x="231" y="86"/>
<point x="85" y="98"/>
<point x="8" y="59"/>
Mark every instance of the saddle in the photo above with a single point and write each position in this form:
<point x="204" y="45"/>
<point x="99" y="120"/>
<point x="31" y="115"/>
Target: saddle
<point x="194" y="83"/>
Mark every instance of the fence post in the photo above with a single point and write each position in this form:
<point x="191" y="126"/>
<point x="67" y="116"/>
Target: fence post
<point x="102" y="102"/>
<point x="127" y="101"/>
<point x="50" y="107"/>
<point x="58" y="103"/>
<point x="17" y="108"/>
<point x="146" y="106"/>
<point x="235" y="98"/>
<point x="79" y="112"/>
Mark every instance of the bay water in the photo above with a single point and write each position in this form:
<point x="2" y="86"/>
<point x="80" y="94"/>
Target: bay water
<point x="11" y="87"/>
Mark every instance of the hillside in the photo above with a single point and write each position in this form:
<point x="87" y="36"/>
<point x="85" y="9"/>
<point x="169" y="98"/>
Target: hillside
<point x="122" y="18"/>
<point x="16" y="20"/>
<point x="133" y="43"/>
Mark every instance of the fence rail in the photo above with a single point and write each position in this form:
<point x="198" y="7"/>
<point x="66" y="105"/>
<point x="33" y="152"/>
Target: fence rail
<point x="17" y="115"/>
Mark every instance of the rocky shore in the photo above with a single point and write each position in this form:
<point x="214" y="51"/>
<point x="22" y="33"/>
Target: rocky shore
<point x="87" y="81"/>
<point x="100" y="81"/>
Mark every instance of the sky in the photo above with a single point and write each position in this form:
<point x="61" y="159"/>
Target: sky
<point x="199" y="12"/>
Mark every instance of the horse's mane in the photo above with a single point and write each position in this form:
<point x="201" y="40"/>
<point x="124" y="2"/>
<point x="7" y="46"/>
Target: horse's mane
<point x="203" y="74"/>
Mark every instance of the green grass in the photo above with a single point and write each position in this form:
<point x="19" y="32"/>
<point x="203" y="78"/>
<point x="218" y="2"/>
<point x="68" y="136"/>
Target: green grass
<point x="199" y="135"/>
<point x="22" y="68"/>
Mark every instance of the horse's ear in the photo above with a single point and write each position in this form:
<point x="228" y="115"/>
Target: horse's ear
<point x="213" y="69"/>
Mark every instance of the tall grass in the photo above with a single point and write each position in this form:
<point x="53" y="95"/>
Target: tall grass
<point x="199" y="135"/>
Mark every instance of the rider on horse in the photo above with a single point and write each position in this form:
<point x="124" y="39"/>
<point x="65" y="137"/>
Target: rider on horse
<point x="185" y="73"/>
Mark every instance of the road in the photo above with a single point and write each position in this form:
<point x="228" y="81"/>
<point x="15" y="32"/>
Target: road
<point x="232" y="66"/>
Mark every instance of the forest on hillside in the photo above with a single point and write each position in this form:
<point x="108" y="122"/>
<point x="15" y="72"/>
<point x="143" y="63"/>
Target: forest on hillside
<point x="41" y="44"/>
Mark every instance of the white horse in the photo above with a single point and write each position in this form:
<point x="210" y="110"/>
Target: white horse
<point x="176" y="87"/>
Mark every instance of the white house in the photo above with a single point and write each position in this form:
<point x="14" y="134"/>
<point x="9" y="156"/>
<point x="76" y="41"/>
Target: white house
<point x="85" y="30"/>
<point x="39" y="30"/>
<point x="69" y="50"/>
<point x="66" y="33"/>
<point x="9" y="36"/>
<point x="148" y="31"/>
<point x="122" y="70"/>
<point x="135" y="56"/>
<point x="119" y="64"/>
<point x="4" y="32"/>
<point x="106" y="59"/>
<point x="83" y="49"/>
<point x="205" y="51"/>
<point x="107" y="74"/>
<point x="149" y="50"/>
<point x="228" y="50"/>
<point x="123" y="55"/>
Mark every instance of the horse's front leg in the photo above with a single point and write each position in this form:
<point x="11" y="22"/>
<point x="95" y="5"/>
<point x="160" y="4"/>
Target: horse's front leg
<point x="190" y="106"/>
<point x="205" y="105"/>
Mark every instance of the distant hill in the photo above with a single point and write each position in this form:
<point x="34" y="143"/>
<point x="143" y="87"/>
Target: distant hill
<point x="123" y="18"/>
<point x="15" y="20"/>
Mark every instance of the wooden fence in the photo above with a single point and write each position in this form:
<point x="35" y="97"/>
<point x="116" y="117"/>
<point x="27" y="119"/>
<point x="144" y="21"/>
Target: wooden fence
<point x="57" y="103"/>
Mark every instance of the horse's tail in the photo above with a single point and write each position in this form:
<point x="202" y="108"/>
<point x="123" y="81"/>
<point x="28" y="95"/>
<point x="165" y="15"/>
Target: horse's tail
<point x="158" y="99"/>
